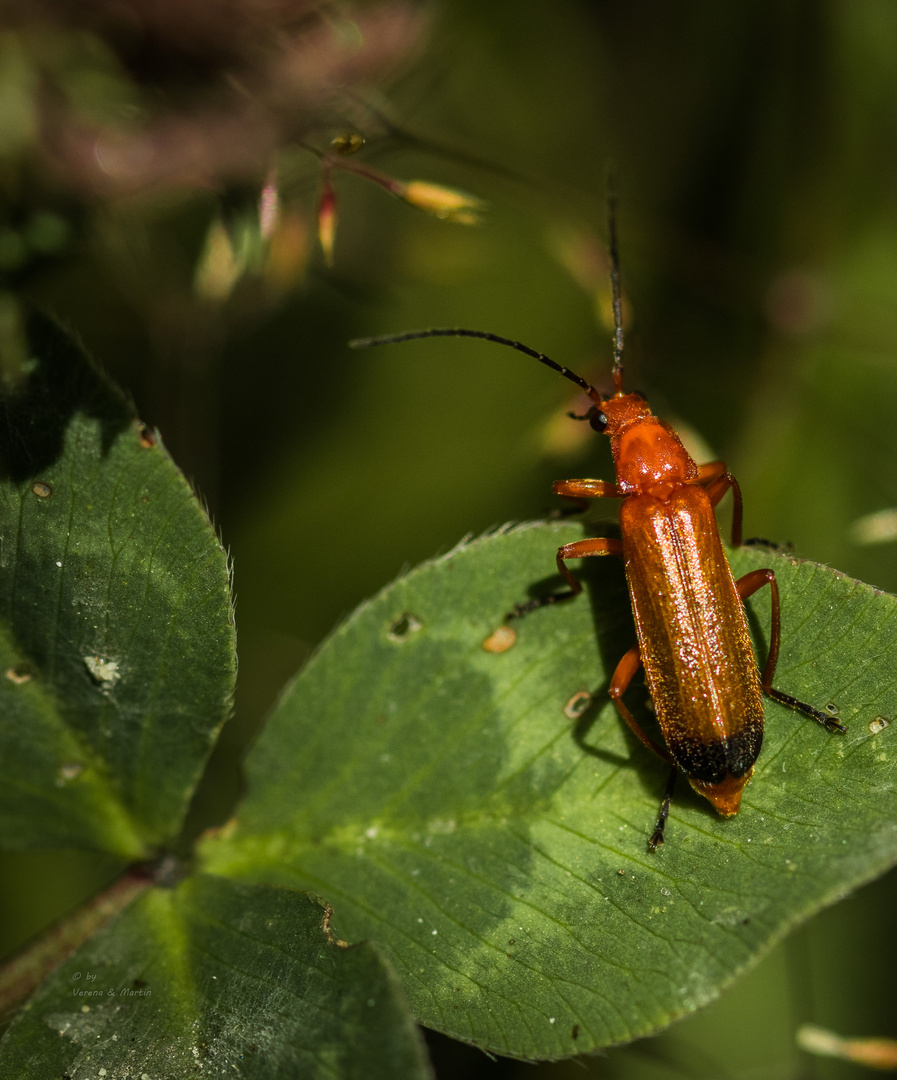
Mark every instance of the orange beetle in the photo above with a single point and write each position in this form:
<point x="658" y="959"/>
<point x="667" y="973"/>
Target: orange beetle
<point x="693" y="637"/>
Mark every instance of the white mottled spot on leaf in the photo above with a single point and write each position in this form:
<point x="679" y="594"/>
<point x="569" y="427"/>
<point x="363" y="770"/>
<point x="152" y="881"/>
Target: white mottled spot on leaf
<point x="103" y="670"/>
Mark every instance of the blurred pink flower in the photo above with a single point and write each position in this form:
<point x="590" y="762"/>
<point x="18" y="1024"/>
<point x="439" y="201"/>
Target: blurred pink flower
<point x="215" y="88"/>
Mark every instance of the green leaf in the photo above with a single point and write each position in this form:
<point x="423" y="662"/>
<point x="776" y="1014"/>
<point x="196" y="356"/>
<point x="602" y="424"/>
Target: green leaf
<point x="220" y="979"/>
<point x="455" y="806"/>
<point x="117" y="657"/>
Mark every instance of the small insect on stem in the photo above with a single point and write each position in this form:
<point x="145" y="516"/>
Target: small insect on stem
<point x="693" y="638"/>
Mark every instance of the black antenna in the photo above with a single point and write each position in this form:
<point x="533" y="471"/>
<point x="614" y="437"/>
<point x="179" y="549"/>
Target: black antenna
<point x="615" y="282"/>
<point x="412" y="335"/>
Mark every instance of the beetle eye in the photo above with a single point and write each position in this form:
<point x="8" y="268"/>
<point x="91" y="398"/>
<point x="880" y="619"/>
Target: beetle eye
<point x="598" y="420"/>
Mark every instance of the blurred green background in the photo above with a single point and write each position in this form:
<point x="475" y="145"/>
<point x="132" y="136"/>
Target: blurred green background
<point x="755" y="148"/>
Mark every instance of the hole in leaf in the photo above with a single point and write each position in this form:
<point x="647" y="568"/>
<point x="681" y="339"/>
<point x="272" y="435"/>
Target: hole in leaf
<point x="406" y="625"/>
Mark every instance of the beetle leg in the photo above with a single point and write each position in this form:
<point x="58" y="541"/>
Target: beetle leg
<point x="579" y="549"/>
<point x="710" y="471"/>
<point x="656" y="838"/>
<point x="716" y="478"/>
<point x="580" y="491"/>
<point x="747" y="586"/>
<point x="587" y="489"/>
<point x="622" y="677"/>
<point x="619" y="684"/>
